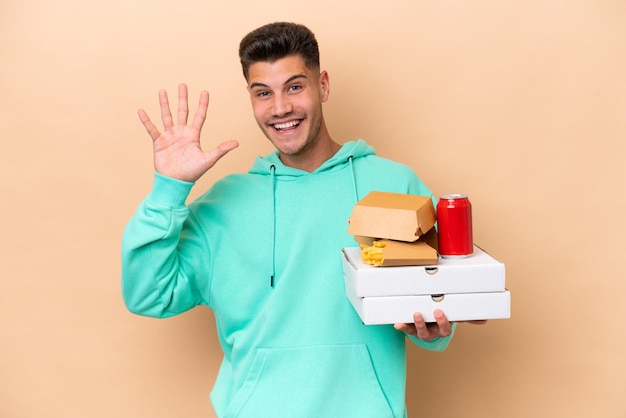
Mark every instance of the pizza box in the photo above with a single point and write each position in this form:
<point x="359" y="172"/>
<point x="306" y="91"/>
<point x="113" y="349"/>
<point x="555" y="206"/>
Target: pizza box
<point x="478" y="273"/>
<point x="456" y="306"/>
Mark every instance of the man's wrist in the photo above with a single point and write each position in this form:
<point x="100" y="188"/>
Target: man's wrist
<point x="169" y="192"/>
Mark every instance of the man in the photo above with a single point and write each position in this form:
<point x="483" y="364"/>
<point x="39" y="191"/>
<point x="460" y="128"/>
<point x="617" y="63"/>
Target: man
<point x="262" y="249"/>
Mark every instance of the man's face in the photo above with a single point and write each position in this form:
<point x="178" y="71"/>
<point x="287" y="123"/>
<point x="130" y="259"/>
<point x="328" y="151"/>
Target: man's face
<point x="287" y="102"/>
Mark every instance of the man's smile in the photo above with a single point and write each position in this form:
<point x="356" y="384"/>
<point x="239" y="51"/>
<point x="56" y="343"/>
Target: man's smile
<point x="286" y="125"/>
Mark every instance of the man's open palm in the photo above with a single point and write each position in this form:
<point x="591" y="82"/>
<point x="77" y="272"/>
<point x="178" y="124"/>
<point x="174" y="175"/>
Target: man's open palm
<point x="177" y="150"/>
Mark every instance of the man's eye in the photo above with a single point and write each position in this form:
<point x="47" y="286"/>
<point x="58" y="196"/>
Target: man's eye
<point x="262" y="94"/>
<point x="295" y="87"/>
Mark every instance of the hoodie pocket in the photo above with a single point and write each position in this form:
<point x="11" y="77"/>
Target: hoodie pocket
<point x="311" y="381"/>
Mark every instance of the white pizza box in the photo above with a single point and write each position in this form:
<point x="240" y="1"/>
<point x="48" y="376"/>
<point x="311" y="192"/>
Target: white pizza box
<point x="380" y="310"/>
<point x="477" y="273"/>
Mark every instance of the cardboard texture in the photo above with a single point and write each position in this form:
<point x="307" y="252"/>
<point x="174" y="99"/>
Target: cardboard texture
<point x="431" y="238"/>
<point x="471" y="288"/>
<point x="399" y="253"/>
<point x="478" y="273"/>
<point x="456" y="306"/>
<point x="394" y="216"/>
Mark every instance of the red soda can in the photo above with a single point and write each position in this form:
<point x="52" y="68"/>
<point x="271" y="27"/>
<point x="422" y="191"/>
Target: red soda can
<point x="454" y="220"/>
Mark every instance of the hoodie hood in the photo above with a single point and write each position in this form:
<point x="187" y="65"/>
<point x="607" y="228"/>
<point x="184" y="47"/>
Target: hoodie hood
<point x="351" y="149"/>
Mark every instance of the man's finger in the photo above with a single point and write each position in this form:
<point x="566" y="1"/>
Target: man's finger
<point x="442" y="323"/>
<point x="166" y="116"/>
<point x="218" y="152"/>
<point x="421" y="329"/>
<point x="183" y="104"/>
<point x="200" y="116"/>
<point x="406" y="328"/>
<point x="153" y="131"/>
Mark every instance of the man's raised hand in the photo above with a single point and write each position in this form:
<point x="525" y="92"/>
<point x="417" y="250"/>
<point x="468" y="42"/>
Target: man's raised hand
<point x="177" y="150"/>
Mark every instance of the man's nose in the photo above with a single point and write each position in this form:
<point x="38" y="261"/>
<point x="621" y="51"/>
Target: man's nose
<point x="282" y="105"/>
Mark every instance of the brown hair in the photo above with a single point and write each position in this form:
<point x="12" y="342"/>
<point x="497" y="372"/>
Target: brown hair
<point x="278" y="40"/>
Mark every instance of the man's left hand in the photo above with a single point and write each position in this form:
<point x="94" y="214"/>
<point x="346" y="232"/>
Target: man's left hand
<point x="431" y="330"/>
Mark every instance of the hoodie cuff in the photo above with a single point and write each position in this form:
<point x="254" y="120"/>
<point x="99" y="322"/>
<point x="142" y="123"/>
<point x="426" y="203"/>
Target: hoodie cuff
<point x="169" y="192"/>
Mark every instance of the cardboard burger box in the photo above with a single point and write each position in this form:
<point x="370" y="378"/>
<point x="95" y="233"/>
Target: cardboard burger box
<point x="412" y="278"/>
<point x="400" y="253"/>
<point x="405" y="222"/>
<point x="394" y="216"/>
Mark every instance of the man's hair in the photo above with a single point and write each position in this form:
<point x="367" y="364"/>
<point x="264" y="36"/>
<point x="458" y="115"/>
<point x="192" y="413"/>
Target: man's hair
<point x="278" y="40"/>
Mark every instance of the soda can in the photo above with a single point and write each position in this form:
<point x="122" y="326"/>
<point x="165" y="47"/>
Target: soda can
<point x="454" y="221"/>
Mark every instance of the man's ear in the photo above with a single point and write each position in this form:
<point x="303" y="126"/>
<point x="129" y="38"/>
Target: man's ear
<point x="324" y="86"/>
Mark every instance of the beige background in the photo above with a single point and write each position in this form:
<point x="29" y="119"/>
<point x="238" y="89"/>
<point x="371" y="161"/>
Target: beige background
<point x="520" y="104"/>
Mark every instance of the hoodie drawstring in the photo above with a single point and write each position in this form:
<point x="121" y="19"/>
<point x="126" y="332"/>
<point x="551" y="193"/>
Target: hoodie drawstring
<point x="273" y="185"/>
<point x="356" y="193"/>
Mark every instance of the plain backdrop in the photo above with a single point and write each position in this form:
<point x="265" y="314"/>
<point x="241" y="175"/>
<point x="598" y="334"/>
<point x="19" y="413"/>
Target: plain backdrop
<point x="519" y="104"/>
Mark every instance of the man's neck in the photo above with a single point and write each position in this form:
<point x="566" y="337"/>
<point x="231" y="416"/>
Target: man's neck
<point x="312" y="159"/>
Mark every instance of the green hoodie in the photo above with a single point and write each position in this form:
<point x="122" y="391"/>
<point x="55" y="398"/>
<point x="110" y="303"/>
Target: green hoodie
<point x="263" y="250"/>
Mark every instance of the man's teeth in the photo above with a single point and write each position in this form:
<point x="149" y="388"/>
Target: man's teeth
<point x="286" y="125"/>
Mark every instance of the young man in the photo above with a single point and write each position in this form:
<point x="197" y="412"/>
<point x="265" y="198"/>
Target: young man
<point x="262" y="249"/>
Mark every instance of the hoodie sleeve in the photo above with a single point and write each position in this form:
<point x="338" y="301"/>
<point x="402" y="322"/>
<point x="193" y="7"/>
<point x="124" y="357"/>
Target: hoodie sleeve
<point x="416" y="186"/>
<point x="158" y="276"/>
<point x="438" y="344"/>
